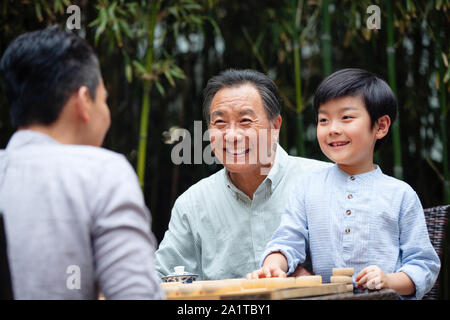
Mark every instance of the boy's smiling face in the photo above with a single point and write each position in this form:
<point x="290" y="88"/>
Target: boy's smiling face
<point x="345" y="133"/>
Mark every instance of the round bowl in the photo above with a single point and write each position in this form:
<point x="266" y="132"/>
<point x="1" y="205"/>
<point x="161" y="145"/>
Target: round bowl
<point x="183" y="278"/>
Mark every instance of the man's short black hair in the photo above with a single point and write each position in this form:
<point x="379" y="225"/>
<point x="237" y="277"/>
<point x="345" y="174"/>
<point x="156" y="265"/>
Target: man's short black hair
<point x="376" y="94"/>
<point x="42" y="69"/>
<point x="235" y="77"/>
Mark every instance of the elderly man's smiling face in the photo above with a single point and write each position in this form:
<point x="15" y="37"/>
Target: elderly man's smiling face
<point x="242" y="136"/>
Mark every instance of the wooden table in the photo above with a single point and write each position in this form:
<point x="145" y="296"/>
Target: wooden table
<point x="384" y="294"/>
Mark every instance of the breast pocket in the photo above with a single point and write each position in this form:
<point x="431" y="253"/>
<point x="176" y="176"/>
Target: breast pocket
<point x="385" y="242"/>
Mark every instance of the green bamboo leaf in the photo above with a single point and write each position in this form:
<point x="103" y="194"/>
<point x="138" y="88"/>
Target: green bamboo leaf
<point x="438" y="4"/>
<point x="176" y="29"/>
<point x="169" y="78"/>
<point x="117" y="34"/>
<point x="259" y="39"/>
<point x="177" y="68"/>
<point x="125" y="28"/>
<point x="121" y="11"/>
<point x="160" y="88"/>
<point x="58" y="7"/>
<point x="182" y="12"/>
<point x="447" y="75"/>
<point x="132" y="8"/>
<point x="215" y="26"/>
<point x="100" y="30"/>
<point x="111" y="10"/>
<point x="102" y="20"/>
<point x="38" y="10"/>
<point x="140" y="68"/>
<point x="103" y="14"/>
<point x="193" y="6"/>
<point x="174" y="12"/>
<point x="128" y="72"/>
<point x="288" y="27"/>
<point x="196" y="19"/>
<point x="408" y="5"/>
<point x="47" y="9"/>
<point x="94" y="22"/>
<point x="177" y="73"/>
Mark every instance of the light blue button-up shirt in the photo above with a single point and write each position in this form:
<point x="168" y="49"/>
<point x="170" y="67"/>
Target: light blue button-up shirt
<point x="218" y="232"/>
<point x="357" y="221"/>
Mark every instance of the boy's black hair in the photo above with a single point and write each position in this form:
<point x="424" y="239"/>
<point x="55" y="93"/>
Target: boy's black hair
<point x="376" y="94"/>
<point x="42" y="69"/>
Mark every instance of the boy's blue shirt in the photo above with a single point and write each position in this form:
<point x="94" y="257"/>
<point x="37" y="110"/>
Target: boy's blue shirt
<point x="356" y="221"/>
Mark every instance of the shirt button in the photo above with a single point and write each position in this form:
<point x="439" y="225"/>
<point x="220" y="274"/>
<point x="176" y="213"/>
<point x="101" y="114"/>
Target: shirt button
<point x="347" y="231"/>
<point x="348" y="212"/>
<point x="350" y="196"/>
<point x="352" y="178"/>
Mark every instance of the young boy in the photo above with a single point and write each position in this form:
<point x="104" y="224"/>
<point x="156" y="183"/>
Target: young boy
<point x="351" y="214"/>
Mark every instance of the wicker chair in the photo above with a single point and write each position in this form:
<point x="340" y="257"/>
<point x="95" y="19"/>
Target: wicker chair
<point x="437" y="219"/>
<point x="6" y="291"/>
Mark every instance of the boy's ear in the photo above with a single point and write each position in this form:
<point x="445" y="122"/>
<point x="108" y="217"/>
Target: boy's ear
<point x="82" y="103"/>
<point x="382" y="126"/>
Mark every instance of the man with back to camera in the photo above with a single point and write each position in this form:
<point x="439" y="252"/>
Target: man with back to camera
<point x="76" y="221"/>
<point x="220" y="226"/>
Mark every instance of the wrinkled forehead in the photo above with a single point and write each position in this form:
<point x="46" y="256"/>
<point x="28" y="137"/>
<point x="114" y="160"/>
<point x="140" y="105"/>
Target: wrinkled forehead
<point x="238" y="110"/>
<point x="240" y="100"/>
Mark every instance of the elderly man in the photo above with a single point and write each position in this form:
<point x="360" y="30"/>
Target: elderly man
<point x="220" y="226"/>
<point x="75" y="217"/>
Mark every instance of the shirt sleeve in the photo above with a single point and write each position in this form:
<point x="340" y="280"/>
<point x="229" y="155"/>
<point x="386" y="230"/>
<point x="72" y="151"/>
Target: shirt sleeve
<point x="178" y="247"/>
<point x="419" y="259"/>
<point x="123" y="244"/>
<point x="290" y="238"/>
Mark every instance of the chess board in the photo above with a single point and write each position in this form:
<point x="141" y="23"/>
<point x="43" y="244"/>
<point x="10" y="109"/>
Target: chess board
<point x="259" y="289"/>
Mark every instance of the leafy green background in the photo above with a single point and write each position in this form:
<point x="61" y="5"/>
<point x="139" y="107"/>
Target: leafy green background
<point x="157" y="56"/>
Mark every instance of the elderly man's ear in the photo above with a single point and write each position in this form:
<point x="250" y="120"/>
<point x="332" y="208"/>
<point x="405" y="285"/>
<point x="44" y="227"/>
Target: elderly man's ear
<point x="275" y="126"/>
<point x="276" y="122"/>
<point x="82" y="104"/>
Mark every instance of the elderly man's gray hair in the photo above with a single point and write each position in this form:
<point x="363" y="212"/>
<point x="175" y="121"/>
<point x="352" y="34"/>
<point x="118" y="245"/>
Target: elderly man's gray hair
<point x="234" y="77"/>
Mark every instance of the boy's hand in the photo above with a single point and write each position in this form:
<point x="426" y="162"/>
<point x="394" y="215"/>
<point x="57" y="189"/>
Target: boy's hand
<point x="300" y="271"/>
<point x="372" y="278"/>
<point x="266" y="272"/>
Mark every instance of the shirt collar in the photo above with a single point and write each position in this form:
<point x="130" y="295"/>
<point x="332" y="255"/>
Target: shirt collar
<point x="235" y="190"/>
<point x="356" y="178"/>
<point x="276" y="172"/>
<point x="271" y="181"/>
<point x="23" y="138"/>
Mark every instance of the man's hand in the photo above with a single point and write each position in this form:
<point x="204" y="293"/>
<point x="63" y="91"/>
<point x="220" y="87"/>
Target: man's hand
<point x="275" y="265"/>
<point x="266" y="272"/>
<point x="372" y="278"/>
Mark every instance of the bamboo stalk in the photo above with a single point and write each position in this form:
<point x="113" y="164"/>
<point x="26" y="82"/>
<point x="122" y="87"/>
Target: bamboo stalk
<point x="398" y="169"/>
<point x="442" y="120"/>
<point x="298" y="83"/>
<point x="143" y="131"/>
<point x="287" y="103"/>
<point x="445" y="273"/>
<point x="326" y="38"/>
